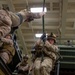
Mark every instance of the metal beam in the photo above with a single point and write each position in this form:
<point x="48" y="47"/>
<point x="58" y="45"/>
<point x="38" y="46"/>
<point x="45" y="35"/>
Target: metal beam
<point x="51" y="6"/>
<point x="40" y="27"/>
<point x="27" y="4"/>
<point x="20" y="35"/>
<point x="74" y="25"/>
<point x="71" y="0"/>
<point x="11" y="7"/>
<point x="3" y="2"/>
<point x="0" y="5"/>
<point x="64" y="15"/>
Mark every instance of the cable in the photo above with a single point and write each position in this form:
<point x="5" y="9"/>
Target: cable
<point x="43" y="25"/>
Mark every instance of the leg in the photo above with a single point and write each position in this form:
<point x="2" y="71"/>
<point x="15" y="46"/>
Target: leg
<point x="46" y="66"/>
<point x="36" y="69"/>
<point x="5" y="57"/>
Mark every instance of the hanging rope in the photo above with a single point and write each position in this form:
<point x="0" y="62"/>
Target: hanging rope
<point x="43" y="25"/>
<point x="60" y="17"/>
<point x="43" y="17"/>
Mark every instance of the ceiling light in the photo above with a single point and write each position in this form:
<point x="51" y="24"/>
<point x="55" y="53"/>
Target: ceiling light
<point x="38" y="9"/>
<point x="39" y="35"/>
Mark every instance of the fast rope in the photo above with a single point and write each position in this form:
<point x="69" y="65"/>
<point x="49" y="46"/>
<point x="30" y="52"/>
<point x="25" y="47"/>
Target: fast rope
<point x="43" y="17"/>
<point x="43" y="30"/>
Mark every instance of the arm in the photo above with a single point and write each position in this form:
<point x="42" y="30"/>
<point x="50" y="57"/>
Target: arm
<point x="29" y="16"/>
<point x="51" y="47"/>
<point x="5" y="18"/>
<point x="8" y="41"/>
<point x="24" y="16"/>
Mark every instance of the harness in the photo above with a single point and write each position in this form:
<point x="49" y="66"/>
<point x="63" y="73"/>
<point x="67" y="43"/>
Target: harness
<point x="20" y="16"/>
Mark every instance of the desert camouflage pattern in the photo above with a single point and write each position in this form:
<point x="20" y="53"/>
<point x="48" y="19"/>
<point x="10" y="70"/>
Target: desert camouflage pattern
<point x="5" y="23"/>
<point x="9" y="19"/>
<point x="7" y="51"/>
<point x="51" y="54"/>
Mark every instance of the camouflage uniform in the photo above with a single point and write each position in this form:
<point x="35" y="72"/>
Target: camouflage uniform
<point x="51" y="54"/>
<point x="7" y="52"/>
<point x="23" y="66"/>
<point x="9" y="19"/>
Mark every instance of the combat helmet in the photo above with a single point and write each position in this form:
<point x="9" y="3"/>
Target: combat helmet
<point x="51" y="36"/>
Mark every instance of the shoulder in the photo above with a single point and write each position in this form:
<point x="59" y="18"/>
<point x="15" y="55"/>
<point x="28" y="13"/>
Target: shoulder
<point x="56" y="47"/>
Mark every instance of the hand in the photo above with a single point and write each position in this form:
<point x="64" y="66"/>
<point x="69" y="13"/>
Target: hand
<point x="31" y="16"/>
<point x="38" y="15"/>
<point x="41" y="14"/>
<point x="43" y="37"/>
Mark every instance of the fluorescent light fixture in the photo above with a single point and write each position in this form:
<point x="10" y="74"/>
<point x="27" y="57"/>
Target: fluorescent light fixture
<point x="39" y="35"/>
<point x="38" y="9"/>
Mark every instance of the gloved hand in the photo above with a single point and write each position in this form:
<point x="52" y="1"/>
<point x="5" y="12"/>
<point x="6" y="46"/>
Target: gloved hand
<point x="31" y="16"/>
<point x="43" y="37"/>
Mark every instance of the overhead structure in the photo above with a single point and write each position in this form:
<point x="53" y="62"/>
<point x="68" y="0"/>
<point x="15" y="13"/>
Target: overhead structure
<point x="64" y="17"/>
<point x="59" y="19"/>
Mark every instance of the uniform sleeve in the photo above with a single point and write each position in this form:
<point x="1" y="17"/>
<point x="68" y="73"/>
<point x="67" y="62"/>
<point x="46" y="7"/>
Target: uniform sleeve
<point x="24" y="16"/>
<point x="29" y="16"/>
<point x="15" y="19"/>
<point x="50" y="46"/>
<point x="5" y="18"/>
<point x="8" y="41"/>
<point x="53" y="48"/>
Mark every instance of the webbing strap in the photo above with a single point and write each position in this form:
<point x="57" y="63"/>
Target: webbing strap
<point x="20" y="16"/>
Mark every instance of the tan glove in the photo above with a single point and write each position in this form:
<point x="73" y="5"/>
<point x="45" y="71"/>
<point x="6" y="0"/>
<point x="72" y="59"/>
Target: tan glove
<point x="31" y="16"/>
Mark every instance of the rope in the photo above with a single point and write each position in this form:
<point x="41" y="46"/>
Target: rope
<point x="43" y="25"/>
<point x="43" y="17"/>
